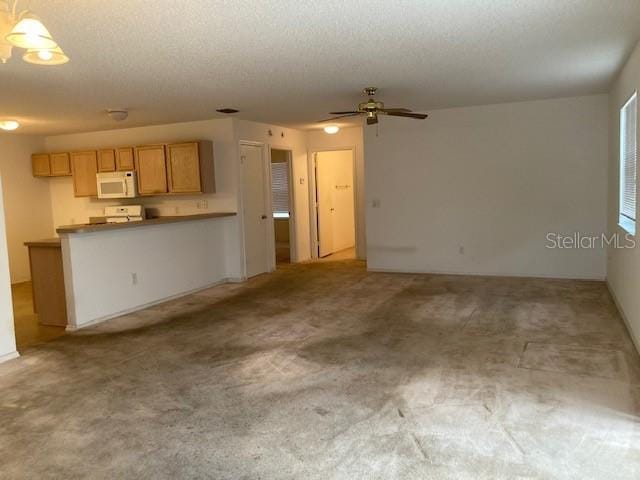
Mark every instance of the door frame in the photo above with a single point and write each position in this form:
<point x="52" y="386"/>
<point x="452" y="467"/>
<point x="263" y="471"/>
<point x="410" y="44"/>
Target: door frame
<point x="293" y="244"/>
<point x="266" y="169"/>
<point x="313" y="208"/>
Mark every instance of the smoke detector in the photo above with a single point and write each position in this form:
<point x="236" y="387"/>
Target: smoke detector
<point x="118" y="115"/>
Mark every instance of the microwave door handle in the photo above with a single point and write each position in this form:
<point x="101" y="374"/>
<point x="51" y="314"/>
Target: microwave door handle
<point x="126" y="187"/>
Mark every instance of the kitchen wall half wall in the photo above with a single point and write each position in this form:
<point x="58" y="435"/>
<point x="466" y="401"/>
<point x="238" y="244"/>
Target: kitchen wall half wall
<point x="26" y="200"/>
<point x="7" y="334"/>
<point x="476" y="190"/>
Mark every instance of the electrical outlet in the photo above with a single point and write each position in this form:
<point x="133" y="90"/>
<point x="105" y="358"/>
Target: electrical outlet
<point x="461" y="250"/>
<point x="134" y="278"/>
<point x="301" y="180"/>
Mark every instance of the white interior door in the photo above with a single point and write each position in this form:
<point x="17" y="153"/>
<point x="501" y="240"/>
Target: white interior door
<point x="336" y="207"/>
<point x="324" y="185"/>
<point x="255" y="210"/>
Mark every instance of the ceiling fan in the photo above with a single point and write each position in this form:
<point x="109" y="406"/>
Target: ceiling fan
<point x="372" y="108"/>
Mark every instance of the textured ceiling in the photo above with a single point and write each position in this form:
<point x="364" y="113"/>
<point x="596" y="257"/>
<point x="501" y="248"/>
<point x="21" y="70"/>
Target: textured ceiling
<point x="290" y="61"/>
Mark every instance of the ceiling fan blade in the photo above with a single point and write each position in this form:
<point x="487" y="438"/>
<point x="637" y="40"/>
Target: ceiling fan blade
<point x="351" y="114"/>
<point x="342" y="113"/>
<point x="419" y="116"/>
<point x="372" y="120"/>
<point x="387" y="110"/>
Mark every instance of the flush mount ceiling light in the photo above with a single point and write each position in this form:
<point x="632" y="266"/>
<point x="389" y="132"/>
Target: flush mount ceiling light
<point x="25" y="30"/>
<point x="331" y="129"/>
<point x="9" y="125"/>
<point x="118" y="115"/>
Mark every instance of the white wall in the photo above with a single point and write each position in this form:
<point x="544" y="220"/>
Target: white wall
<point x="493" y="180"/>
<point x="623" y="266"/>
<point x="347" y="138"/>
<point x="26" y="199"/>
<point x="7" y="334"/>
<point x="296" y="141"/>
<point x="168" y="260"/>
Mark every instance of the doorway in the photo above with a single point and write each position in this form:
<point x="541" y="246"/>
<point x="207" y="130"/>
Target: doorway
<point x="282" y="204"/>
<point x="335" y="204"/>
<point x="256" y="205"/>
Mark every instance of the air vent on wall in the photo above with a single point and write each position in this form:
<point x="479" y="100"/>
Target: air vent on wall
<point x="227" y="110"/>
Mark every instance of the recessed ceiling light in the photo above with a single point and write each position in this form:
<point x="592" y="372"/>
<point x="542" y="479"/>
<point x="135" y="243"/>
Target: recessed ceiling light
<point x="331" y="129"/>
<point x="227" y="110"/>
<point x="9" y="124"/>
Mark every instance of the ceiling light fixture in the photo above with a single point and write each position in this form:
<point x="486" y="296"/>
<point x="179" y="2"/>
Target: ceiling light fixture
<point x="118" y="115"/>
<point x="331" y="129"/>
<point x="46" y="57"/>
<point x="25" y="30"/>
<point x="9" y="125"/>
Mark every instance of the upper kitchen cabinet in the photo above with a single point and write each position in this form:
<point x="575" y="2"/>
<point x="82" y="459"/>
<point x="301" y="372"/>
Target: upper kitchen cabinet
<point x="151" y="167"/>
<point x="85" y="168"/>
<point x="40" y="165"/>
<point x="124" y="159"/>
<point x="107" y="160"/>
<point x="51" y="165"/>
<point x="60" y="164"/>
<point x="190" y="167"/>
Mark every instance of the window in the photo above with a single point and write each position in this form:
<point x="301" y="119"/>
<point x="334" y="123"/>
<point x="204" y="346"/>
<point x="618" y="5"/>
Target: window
<point x="628" y="155"/>
<point x="280" y="189"/>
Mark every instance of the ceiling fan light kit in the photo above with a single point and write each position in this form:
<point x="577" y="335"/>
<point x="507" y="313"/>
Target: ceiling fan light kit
<point x="372" y="108"/>
<point x="331" y="129"/>
<point x="25" y="30"/>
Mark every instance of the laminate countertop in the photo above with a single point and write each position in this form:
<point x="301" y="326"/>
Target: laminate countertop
<point x="103" y="227"/>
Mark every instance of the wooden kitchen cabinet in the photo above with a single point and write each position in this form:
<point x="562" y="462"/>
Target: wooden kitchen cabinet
<point x="40" y="165"/>
<point x="60" y="164"/>
<point x="151" y="167"/>
<point x="190" y="167"/>
<point x="124" y="159"/>
<point x="107" y="160"/>
<point x="85" y="168"/>
<point x="183" y="168"/>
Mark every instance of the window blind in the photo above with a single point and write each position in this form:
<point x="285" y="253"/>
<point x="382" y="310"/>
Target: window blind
<point x="280" y="187"/>
<point x="628" y="155"/>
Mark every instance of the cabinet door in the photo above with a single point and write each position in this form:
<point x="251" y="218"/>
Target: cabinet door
<point x="85" y="168"/>
<point x="183" y="168"/>
<point x="151" y="166"/>
<point x="124" y="159"/>
<point x="40" y="165"/>
<point x="107" y="161"/>
<point x="60" y="164"/>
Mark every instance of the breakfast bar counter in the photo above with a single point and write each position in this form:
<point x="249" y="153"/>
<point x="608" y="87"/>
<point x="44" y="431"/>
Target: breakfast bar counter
<point x="99" y="227"/>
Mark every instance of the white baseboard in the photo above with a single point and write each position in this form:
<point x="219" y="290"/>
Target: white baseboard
<point x="482" y="274"/>
<point x="9" y="356"/>
<point x="90" y="323"/>
<point x="634" y="338"/>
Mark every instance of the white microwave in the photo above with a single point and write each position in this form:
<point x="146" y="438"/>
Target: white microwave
<point x="117" y="185"/>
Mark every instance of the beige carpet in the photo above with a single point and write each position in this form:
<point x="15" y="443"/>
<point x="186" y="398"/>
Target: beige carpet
<point x="325" y="371"/>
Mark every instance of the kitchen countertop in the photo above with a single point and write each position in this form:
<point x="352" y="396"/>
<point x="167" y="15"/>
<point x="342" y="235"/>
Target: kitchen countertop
<point x="47" y="243"/>
<point x="100" y="227"/>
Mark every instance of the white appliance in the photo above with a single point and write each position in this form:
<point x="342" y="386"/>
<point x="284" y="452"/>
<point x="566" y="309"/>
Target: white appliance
<point x="117" y="185"/>
<point x="124" y="213"/>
